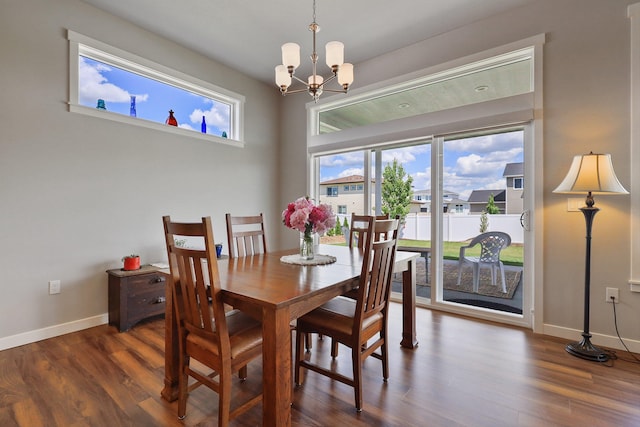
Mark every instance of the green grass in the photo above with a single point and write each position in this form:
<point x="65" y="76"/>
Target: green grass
<point x="511" y="255"/>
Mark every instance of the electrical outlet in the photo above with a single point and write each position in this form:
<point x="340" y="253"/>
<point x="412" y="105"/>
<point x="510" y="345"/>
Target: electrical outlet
<point x="613" y="292"/>
<point x="54" y="287"/>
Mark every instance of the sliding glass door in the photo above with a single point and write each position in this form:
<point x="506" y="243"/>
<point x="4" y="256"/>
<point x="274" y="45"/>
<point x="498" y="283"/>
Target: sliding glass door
<point x="463" y="187"/>
<point x="482" y="205"/>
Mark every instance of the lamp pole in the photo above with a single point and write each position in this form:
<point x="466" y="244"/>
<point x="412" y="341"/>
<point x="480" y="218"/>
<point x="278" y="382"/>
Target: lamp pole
<point x="583" y="348"/>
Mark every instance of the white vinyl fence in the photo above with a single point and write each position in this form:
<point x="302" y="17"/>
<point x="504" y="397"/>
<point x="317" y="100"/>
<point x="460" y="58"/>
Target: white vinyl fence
<point x="458" y="227"/>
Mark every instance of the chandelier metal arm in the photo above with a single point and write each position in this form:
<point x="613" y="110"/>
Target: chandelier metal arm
<point x="335" y="90"/>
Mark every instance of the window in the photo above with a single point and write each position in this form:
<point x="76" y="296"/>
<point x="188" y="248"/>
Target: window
<point x="353" y="187"/>
<point x="110" y="83"/>
<point x="517" y="183"/>
<point x="342" y="209"/>
<point x="444" y="167"/>
<point x="332" y="191"/>
<point x="346" y="188"/>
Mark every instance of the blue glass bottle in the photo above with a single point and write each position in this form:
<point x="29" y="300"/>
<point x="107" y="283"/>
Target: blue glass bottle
<point x="132" y="108"/>
<point x="203" y="128"/>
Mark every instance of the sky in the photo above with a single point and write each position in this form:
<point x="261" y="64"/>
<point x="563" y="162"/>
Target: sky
<point x="153" y="98"/>
<point x="469" y="163"/>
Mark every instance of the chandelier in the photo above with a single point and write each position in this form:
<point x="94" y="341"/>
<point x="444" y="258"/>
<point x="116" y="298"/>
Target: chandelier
<point x="315" y="84"/>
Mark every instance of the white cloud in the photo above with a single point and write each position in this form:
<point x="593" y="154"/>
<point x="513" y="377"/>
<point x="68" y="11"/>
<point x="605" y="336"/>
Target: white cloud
<point x="488" y="143"/>
<point x="216" y="116"/>
<point x="351" y="171"/>
<point x="94" y="85"/>
<point x="422" y="179"/>
<point x="343" y="160"/>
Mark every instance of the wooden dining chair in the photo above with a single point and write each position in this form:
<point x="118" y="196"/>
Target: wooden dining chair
<point x="223" y="341"/>
<point x="358" y="229"/>
<point x="245" y="235"/>
<point x="354" y="323"/>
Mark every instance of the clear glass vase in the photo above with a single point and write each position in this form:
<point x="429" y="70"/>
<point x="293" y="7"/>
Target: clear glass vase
<point x="306" y="246"/>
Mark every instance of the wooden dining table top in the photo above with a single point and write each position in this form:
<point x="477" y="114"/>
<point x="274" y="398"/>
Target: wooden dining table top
<point x="267" y="281"/>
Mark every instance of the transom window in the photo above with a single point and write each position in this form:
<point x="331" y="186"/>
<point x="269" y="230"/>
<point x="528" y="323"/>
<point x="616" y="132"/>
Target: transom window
<point x="117" y="85"/>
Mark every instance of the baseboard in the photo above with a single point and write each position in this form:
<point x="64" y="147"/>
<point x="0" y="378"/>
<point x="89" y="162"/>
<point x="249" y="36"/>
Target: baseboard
<point x="601" y="340"/>
<point x="52" y="331"/>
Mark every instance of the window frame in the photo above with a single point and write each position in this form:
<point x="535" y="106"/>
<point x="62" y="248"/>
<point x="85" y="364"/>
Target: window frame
<point x="81" y="45"/>
<point x="515" y="185"/>
<point x="332" y="191"/>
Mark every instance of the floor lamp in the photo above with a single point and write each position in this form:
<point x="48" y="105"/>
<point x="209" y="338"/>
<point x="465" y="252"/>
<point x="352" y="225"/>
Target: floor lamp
<point x="592" y="174"/>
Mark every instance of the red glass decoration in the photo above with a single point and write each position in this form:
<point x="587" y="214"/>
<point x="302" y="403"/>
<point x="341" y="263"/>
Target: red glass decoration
<point x="171" y="121"/>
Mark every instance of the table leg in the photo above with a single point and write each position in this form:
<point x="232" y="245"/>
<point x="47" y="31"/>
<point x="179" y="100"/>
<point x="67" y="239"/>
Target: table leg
<point x="276" y="367"/>
<point x="409" y="339"/>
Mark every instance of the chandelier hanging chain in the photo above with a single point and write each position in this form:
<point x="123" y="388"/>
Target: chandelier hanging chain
<point x="315" y="85"/>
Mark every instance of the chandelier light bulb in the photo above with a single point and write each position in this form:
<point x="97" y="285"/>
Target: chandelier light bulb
<point x="291" y="55"/>
<point x="283" y="79"/>
<point x="315" y="80"/>
<point x="345" y="74"/>
<point x="335" y="54"/>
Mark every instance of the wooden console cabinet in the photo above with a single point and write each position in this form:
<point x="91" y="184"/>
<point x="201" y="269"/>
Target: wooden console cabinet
<point x="135" y="296"/>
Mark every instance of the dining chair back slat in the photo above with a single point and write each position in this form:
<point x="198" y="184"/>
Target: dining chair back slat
<point x="358" y="229"/>
<point x="245" y="235"/>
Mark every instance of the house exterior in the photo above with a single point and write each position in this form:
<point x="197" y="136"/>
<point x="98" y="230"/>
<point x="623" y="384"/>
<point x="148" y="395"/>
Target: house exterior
<point x="422" y="202"/>
<point x="344" y="194"/>
<point x="478" y="200"/>
<point x="509" y="200"/>
<point x="514" y="175"/>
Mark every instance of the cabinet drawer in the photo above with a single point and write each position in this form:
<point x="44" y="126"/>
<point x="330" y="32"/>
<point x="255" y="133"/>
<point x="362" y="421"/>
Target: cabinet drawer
<point x="145" y="283"/>
<point x="145" y="305"/>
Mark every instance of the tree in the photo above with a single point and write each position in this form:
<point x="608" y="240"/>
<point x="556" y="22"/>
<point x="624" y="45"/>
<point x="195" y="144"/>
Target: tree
<point x="491" y="206"/>
<point x="484" y="222"/>
<point x="337" y="230"/>
<point x="396" y="191"/>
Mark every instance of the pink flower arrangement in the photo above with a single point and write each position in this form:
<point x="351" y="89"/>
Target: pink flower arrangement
<point x="306" y="217"/>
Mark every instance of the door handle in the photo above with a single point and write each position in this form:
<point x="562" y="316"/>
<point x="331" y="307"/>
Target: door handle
<point x="524" y="220"/>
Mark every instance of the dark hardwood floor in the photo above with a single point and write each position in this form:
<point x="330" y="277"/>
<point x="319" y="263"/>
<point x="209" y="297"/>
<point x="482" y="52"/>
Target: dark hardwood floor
<point x="464" y="373"/>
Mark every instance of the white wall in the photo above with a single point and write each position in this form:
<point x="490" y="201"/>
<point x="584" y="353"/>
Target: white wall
<point x="79" y="192"/>
<point x="586" y="107"/>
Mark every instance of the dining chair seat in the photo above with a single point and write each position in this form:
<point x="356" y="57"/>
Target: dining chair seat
<point x="245" y="335"/>
<point x="338" y="316"/>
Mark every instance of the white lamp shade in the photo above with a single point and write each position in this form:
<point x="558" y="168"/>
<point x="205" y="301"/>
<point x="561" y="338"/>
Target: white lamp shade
<point x="334" y="53"/>
<point x="291" y="55"/>
<point x="345" y="74"/>
<point x="282" y="76"/>
<point x="315" y="80"/>
<point x="591" y="173"/>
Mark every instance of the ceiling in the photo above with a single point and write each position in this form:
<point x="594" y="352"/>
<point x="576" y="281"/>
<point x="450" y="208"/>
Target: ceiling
<point x="246" y="35"/>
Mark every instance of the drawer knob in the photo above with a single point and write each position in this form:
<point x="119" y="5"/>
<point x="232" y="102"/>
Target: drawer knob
<point x="160" y="300"/>
<point x="158" y="279"/>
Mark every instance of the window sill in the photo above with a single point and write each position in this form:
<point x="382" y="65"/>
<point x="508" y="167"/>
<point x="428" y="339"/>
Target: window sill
<point x="116" y="117"/>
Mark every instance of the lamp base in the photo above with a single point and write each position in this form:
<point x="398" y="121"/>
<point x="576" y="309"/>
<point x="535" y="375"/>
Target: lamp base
<point x="585" y="350"/>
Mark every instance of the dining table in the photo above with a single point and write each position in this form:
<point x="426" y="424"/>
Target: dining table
<point x="277" y="293"/>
